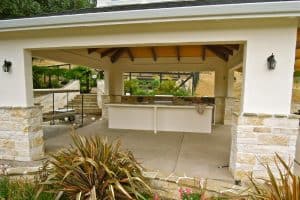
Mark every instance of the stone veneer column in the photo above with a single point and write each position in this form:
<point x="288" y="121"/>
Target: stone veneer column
<point x="255" y="140"/>
<point x="220" y="107"/>
<point x="232" y="105"/>
<point x="21" y="133"/>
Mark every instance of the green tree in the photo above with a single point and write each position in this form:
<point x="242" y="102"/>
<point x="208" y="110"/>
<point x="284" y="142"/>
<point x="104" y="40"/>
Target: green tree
<point x="18" y="8"/>
<point x="25" y="8"/>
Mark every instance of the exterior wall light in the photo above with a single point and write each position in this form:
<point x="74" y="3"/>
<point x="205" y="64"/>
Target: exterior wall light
<point x="6" y="66"/>
<point x="271" y="62"/>
<point x="94" y="76"/>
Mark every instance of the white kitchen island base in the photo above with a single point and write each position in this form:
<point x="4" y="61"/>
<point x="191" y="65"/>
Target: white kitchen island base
<point x="176" y="118"/>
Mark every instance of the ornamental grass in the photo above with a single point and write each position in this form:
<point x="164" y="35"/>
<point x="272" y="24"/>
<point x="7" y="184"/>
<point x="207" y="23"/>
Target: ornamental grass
<point x="93" y="169"/>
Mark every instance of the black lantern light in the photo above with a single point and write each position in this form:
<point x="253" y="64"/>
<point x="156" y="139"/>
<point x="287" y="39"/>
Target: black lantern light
<point x="6" y="66"/>
<point x="271" y="62"/>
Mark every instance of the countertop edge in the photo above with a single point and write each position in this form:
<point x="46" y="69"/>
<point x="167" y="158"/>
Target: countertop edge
<point x="154" y="105"/>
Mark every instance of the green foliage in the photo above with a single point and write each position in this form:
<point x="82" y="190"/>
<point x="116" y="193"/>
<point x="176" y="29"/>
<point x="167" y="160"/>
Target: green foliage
<point x="169" y="87"/>
<point x="297" y="74"/>
<point x="192" y="196"/>
<point x="23" y="8"/>
<point x="39" y="72"/>
<point x="4" y="187"/>
<point x="77" y="73"/>
<point x="81" y="73"/>
<point x="17" y="8"/>
<point x="62" y="5"/>
<point x="21" y="190"/>
<point x="153" y="87"/>
<point x="96" y="169"/>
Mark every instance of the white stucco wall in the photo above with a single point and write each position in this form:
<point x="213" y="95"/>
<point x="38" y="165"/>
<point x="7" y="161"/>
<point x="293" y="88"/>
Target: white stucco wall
<point x="265" y="91"/>
<point x="269" y="91"/>
<point x="15" y="86"/>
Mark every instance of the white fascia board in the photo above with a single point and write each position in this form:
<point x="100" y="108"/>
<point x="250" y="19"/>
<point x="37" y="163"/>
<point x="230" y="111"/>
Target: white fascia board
<point x="211" y="12"/>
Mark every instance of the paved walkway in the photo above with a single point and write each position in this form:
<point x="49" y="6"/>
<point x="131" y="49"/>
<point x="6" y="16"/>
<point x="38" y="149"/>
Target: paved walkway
<point x="194" y="155"/>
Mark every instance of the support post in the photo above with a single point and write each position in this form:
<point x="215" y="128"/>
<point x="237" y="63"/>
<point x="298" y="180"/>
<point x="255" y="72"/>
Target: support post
<point x="21" y="133"/>
<point x="53" y="109"/>
<point x="82" y="109"/>
<point x="265" y="126"/>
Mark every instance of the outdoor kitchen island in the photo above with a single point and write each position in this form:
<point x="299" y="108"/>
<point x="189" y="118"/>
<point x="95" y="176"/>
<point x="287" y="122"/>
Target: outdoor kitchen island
<point x="161" y="115"/>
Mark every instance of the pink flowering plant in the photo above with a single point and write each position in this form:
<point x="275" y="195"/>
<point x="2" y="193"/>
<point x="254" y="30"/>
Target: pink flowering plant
<point x="188" y="194"/>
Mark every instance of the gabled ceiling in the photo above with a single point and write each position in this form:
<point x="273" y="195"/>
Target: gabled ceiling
<point x="221" y="51"/>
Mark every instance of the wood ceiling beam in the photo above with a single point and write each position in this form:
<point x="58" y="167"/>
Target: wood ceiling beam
<point x="203" y="53"/>
<point x="154" y="56"/>
<point x="232" y="46"/>
<point x="218" y="52"/>
<point x="178" y="53"/>
<point x="225" y="49"/>
<point x="129" y="52"/>
<point x="92" y="50"/>
<point x="108" y="51"/>
<point x="298" y="45"/>
<point x="115" y="57"/>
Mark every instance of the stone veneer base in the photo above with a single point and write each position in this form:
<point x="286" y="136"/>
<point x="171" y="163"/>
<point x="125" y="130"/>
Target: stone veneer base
<point x="255" y="140"/>
<point x="21" y="133"/>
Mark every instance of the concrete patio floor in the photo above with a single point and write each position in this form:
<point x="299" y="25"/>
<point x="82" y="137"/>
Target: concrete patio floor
<point x="190" y="154"/>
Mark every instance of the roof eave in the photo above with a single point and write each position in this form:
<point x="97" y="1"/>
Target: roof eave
<point x="212" y="12"/>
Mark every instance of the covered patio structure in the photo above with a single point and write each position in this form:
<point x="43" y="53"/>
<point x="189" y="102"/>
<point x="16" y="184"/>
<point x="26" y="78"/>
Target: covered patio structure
<point x="187" y="38"/>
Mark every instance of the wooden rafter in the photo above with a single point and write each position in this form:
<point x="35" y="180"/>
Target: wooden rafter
<point x="225" y="49"/>
<point x="218" y="52"/>
<point x="154" y="56"/>
<point x="129" y="52"/>
<point x="232" y="46"/>
<point x="203" y="53"/>
<point x="108" y="51"/>
<point x="92" y="50"/>
<point x="178" y="53"/>
<point x="298" y="45"/>
<point x="114" y="58"/>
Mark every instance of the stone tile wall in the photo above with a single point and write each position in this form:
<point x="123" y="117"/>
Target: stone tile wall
<point x="232" y="105"/>
<point x="21" y="133"/>
<point x="100" y="92"/>
<point x="255" y="140"/>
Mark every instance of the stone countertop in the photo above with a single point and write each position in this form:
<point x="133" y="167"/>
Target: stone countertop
<point x="155" y="105"/>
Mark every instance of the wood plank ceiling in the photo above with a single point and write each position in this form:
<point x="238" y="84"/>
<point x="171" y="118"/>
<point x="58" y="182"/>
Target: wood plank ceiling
<point x="155" y="52"/>
<point x="297" y="61"/>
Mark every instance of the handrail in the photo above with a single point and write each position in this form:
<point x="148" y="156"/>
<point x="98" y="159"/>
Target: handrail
<point x="50" y="91"/>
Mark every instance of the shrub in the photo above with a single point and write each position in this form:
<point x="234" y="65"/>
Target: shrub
<point x="287" y="187"/>
<point x="154" y="87"/>
<point x="93" y="168"/>
<point x="21" y="190"/>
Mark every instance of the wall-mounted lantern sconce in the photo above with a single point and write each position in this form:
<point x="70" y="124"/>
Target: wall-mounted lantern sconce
<point x="6" y="66"/>
<point x="271" y="62"/>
